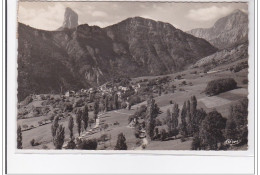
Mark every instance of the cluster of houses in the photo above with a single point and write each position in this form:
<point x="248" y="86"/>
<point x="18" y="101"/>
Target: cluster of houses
<point x="104" y="89"/>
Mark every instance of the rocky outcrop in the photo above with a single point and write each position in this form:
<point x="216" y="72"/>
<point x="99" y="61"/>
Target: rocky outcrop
<point x="49" y="61"/>
<point x="227" y="31"/>
<point x="70" y="19"/>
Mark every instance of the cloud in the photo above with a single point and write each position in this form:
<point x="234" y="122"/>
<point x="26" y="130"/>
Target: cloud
<point x="51" y="17"/>
<point x="208" y="13"/>
<point x="99" y="14"/>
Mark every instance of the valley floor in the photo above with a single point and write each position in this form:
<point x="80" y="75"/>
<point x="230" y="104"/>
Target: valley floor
<point x="196" y="83"/>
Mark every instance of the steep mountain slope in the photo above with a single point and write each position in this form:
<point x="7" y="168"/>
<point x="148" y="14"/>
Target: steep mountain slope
<point x="43" y="66"/>
<point x="225" y="56"/>
<point x="89" y="55"/>
<point x="227" y="31"/>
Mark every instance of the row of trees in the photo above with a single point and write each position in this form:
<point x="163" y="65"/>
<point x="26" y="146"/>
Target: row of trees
<point x="215" y="129"/>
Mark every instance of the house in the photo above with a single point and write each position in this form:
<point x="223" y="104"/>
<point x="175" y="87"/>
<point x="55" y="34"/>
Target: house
<point x="69" y="93"/>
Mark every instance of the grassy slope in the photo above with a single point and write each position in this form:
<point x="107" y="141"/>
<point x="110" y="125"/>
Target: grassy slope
<point x="43" y="134"/>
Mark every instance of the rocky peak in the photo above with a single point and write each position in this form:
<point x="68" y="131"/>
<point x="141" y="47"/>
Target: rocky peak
<point x="227" y="31"/>
<point x="70" y="19"/>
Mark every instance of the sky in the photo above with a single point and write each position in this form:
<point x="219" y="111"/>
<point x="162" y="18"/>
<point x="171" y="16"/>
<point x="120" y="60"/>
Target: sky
<point x="185" y="16"/>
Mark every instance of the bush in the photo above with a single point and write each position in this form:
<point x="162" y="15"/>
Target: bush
<point x="178" y="77"/>
<point x="215" y="87"/>
<point x="32" y="142"/>
<point x="45" y="147"/>
<point x="134" y="99"/>
<point x="71" y="144"/>
<point x="90" y="144"/>
<point x="103" y="138"/>
<point x="245" y="81"/>
<point x="79" y="103"/>
<point x="43" y="97"/>
<point x="68" y="107"/>
<point x="163" y="134"/>
<point x="123" y="105"/>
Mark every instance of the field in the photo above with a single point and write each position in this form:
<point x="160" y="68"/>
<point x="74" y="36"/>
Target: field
<point x="117" y="120"/>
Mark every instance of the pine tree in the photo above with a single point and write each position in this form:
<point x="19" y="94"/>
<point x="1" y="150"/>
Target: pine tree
<point x="54" y="126"/>
<point x="183" y="126"/>
<point x="152" y="112"/>
<point x="96" y="109"/>
<point x="19" y="138"/>
<point x="106" y="103"/>
<point x="121" y="142"/>
<point x="85" y="117"/>
<point x="70" y="126"/>
<point x="59" y="137"/>
<point x="116" y="101"/>
<point x="78" y="121"/>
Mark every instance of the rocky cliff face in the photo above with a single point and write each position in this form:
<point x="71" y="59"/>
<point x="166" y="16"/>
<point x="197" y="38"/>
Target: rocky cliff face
<point x="227" y="31"/>
<point x="88" y="55"/>
<point x="70" y="19"/>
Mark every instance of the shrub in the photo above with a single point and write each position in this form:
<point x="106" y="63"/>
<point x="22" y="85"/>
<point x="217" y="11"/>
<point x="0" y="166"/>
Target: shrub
<point x="121" y="142"/>
<point x="33" y="143"/>
<point x="163" y="134"/>
<point x="25" y="126"/>
<point x="79" y="103"/>
<point x="43" y="97"/>
<point x="103" y="138"/>
<point x="123" y="105"/>
<point x="45" y="147"/>
<point x="68" y="107"/>
<point x="215" y="87"/>
<point x="245" y="81"/>
<point x="90" y="144"/>
<point x="71" y="144"/>
<point x="134" y="99"/>
<point x="178" y="77"/>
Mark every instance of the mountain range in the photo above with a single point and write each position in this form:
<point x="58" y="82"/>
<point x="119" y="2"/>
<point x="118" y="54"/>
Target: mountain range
<point x="226" y="31"/>
<point x="80" y="56"/>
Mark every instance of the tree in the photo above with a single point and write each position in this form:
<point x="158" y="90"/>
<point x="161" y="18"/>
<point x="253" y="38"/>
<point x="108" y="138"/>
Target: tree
<point x="58" y="140"/>
<point x="211" y="130"/>
<point x="96" y="109"/>
<point x="152" y="112"/>
<point x="106" y="103"/>
<point x="172" y="120"/>
<point x="237" y="123"/>
<point x="19" y="138"/>
<point x="183" y="125"/>
<point x="196" y="143"/>
<point x="215" y="87"/>
<point x="78" y="121"/>
<point x="70" y="126"/>
<point x="85" y="117"/>
<point x="175" y="120"/>
<point x="160" y="90"/>
<point x="54" y="126"/>
<point x="200" y="116"/>
<point x="116" y="101"/>
<point x="129" y="106"/>
<point x="71" y="144"/>
<point x="121" y="142"/>
<point x="193" y="107"/>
